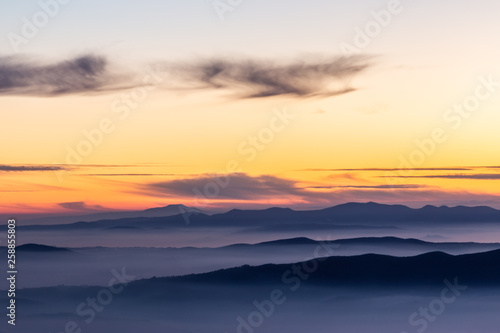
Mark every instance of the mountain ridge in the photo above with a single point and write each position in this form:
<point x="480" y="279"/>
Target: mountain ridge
<point x="362" y="214"/>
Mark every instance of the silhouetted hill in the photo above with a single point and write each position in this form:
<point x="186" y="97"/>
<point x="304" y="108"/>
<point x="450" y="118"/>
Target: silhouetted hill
<point x="40" y="248"/>
<point x="481" y="269"/>
<point x="384" y="241"/>
<point x="372" y="243"/>
<point x="368" y="272"/>
<point x="151" y="212"/>
<point x="291" y="241"/>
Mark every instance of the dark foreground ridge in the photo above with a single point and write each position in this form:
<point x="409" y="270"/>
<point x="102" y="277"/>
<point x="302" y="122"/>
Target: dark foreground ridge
<point x="39" y="248"/>
<point x="365" y="270"/>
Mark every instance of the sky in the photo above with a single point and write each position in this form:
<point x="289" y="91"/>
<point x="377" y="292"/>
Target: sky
<point x="117" y="105"/>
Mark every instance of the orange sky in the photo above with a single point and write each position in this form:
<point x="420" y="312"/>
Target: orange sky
<point x="150" y="127"/>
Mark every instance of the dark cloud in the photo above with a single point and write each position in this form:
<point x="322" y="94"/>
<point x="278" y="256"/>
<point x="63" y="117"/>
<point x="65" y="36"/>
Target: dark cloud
<point x="240" y="186"/>
<point x="237" y="186"/>
<point x="24" y="76"/>
<point x="80" y="206"/>
<point x="221" y="189"/>
<point x="310" y="76"/>
<point x="22" y="168"/>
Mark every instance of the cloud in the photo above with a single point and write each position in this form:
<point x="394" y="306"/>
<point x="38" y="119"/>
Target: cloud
<point x="396" y="169"/>
<point x="24" y="76"/>
<point x="238" y="186"/>
<point x="23" y="168"/>
<point x="458" y="176"/>
<point x="399" y="186"/>
<point x="80" y="206"/>
<point x="460" y="168"/>
<point x="347" y="175"/>
<point x="83" y="166"/>
<point x="247" y="78"/>
<point x="310" y="76"/>
<point x="59" y="167"/>
<point x="272" y="190"/>
<point x="128" y="174"/>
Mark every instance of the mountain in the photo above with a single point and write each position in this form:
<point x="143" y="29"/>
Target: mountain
<point x="350" y="215"/>
<point x="367" y="214"/>
<point x="389" y="242"/>
<point x="354" y="246"/>
<point x="369" y="270"/>
<point x="481" y="269"/>
<point x="151" y="212"/>
<point x="381" y="213"/>
<point x="39" y="248"/>
<point x="145" y="262"/>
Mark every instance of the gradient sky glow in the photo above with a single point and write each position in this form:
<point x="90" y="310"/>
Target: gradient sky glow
<point x="430" y="57"/>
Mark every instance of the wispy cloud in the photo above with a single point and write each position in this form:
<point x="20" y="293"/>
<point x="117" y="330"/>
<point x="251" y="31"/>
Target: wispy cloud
<point x="128" y="174"/>
<point x="399" y="186"/>
<point x="24" y="168"/>
<point x="247" y="78"/>
<point x="84" y="166"/>
<point x="347" y="175"/>
<point x="455" y="168"/>
<point x="76" y="167"/>
<point x="396" y="169"/>
<point x="310" y="76"/>
<point x="81" y="206"/>
<point x="22" y="75"/>
<point x="67" y="167"/>
<point x="458" y="176"/>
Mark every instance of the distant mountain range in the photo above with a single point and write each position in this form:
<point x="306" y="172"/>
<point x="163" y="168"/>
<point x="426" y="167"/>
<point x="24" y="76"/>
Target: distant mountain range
<point x="300" y="244"/>
<point x="297" y="241"/>
<point x="152" y="212"/>
<point x="351" y="215"/>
